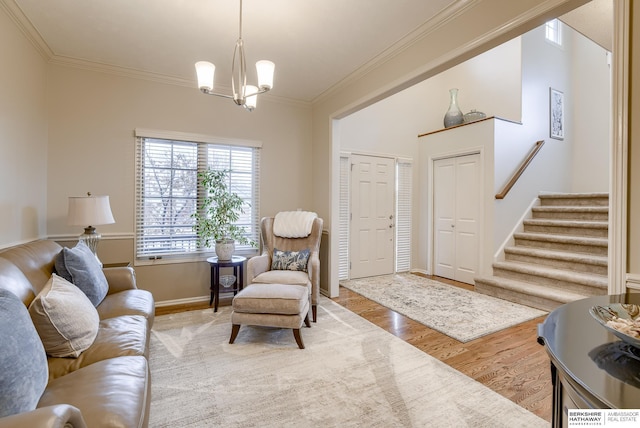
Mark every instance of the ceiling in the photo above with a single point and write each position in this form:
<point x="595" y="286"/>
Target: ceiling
<point x="314" y="44"/>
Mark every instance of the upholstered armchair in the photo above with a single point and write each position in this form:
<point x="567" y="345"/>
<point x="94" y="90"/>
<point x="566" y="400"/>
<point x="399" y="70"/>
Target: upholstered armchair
<point x="265" y="269"/>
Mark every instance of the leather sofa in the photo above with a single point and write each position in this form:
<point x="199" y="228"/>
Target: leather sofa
<point x="108" y="384"/>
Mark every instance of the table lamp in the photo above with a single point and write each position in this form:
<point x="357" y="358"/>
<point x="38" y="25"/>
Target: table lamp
<point x="89" y="211"/>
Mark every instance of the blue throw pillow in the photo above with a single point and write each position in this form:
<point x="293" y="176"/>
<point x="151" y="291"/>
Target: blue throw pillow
<point x="24" y="371"/>
<point x="290" y="260"/>
<point x="80" y="266"/>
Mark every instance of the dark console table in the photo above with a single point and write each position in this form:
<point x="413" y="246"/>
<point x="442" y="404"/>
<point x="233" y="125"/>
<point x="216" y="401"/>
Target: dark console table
<point x="590" y="367"/>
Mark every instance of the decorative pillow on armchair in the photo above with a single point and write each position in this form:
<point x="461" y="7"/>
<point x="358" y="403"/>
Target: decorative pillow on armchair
<point x="66" y="320"/>
<point x="80" y="266"/>
<point x="290" y="260"/>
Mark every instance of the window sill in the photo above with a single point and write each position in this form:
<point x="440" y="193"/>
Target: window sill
<point x="194" y="258"/>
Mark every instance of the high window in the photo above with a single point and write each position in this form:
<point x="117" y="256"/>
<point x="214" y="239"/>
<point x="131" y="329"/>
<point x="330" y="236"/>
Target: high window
<point x="168" y="193"/>
<point x="553" y="32"/>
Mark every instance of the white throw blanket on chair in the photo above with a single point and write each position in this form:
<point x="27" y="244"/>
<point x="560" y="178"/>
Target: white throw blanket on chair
<point x="293" y="224"/>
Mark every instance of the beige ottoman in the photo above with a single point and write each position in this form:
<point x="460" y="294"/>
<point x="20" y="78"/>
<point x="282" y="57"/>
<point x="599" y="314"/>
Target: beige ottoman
<point x="271" y="305"/>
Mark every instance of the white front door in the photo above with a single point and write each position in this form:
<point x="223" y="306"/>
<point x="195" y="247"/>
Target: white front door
<point x="456" y="205"/>
<point x="372" y="228"/>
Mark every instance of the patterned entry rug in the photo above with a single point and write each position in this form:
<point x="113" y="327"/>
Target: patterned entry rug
<point x="351" y="374"/>
<point x="461" y="314"/>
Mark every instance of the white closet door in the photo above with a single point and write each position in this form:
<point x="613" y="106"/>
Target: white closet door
<point x="456" y="205"/>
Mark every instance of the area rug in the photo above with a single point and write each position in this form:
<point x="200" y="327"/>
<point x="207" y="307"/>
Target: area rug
<point x="461" y="314"/>
<point x="351" y="374"/>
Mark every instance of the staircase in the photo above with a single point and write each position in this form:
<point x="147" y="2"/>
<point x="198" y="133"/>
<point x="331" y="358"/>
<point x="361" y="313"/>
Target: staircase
<point x="561" y="255"/>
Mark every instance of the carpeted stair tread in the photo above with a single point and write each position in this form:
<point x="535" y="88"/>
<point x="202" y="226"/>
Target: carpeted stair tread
<point x="577" y="199"/>
<point x="571" y="209"/>
<point x="568" y="223"/>
<point x="591" y="280"/>
<point x="558" y="255"/>
<point x="586" y="195"/>
<point x="565" y="239"/>
<point x="531" y="289"/>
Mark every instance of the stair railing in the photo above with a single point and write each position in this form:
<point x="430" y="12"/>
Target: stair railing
<point x="534" y="151"/>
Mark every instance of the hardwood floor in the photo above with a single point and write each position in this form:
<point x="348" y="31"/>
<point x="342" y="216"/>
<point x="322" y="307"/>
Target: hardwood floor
<point x="510" y="361"/>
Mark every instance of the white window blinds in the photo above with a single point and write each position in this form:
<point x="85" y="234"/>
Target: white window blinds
<point x="167" y="191"/>
<point x="403" y="216"/>
<point x="343" y="239"/>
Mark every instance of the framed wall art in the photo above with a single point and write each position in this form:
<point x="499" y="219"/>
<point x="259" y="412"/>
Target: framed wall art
<point x="556" y="114"/>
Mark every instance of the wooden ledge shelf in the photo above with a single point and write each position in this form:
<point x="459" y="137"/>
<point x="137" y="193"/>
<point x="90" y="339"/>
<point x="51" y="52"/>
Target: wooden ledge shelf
<point x="467" y="124"/>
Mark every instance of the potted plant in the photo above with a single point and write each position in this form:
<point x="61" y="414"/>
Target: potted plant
<point x="216" y="217"/>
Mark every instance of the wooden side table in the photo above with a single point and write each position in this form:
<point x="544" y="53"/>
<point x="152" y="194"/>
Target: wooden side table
<point x="237" y="263"/>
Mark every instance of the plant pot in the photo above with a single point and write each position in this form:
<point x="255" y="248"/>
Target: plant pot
<point x="225" y="249"/>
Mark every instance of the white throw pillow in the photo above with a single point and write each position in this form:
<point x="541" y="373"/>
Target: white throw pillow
<point x="66" y="320"/>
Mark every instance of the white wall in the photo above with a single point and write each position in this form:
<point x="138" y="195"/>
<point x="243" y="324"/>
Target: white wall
<point x="23" y="138"/>
<point x="93" y="116"/>
<point x="392" y="125"/>
<point x="590" y="77"/>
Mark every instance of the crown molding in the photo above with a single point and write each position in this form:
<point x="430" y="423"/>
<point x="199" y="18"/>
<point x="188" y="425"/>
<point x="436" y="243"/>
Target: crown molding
<point x="444" y="17"/>
<point x="149" y="76"/>
<point x="26" y="27"/>
<point x="15" y="13"/>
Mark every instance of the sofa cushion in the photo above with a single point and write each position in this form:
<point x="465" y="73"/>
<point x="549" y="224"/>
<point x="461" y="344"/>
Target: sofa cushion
<point x="110" y="393"/>
<point x="290" y="260"/>
<point x="66" y="320"/>
<point x="81" y="267"/>
<point x="128" y="302"/>
<point x="23" y="362"/>
<point x="117" y="337"/>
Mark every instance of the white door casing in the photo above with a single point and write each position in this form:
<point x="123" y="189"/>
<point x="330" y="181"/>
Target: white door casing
<point x="372" y="216"/>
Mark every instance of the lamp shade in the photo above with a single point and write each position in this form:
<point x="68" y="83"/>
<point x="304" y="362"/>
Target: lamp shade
<point x="89" y="211"/>
<point x="205" y="71"/>
<point x="265" y="71"/>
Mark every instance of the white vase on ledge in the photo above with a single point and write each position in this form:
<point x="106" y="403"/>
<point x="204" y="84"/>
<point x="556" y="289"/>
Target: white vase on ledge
<point x="454" y="115"/>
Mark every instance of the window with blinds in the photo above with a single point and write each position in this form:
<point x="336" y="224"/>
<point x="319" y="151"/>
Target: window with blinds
<point x="168" y="193"/>
<point x="343" y="238"/>
<point x="403" y="216"/>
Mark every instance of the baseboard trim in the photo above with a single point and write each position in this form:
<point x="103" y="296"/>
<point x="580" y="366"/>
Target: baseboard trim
<point x="633" y="281"/>
<point x="181" y="302"/>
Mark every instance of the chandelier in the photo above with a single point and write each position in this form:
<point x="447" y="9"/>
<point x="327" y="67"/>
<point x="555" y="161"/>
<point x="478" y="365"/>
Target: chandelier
<point x="243" y="94"/>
